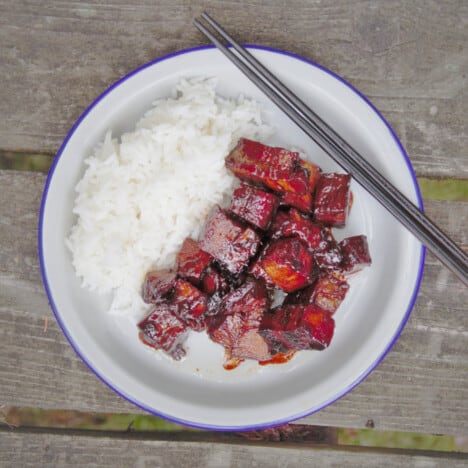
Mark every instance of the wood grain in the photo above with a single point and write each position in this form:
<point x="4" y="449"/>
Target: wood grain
<point x="57" y="449"/>
<point x="409" y="58"/>
<point x="420" y="385"/>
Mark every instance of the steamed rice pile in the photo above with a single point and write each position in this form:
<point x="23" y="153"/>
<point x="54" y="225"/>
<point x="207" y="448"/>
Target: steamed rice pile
<point x="141" y="197"/>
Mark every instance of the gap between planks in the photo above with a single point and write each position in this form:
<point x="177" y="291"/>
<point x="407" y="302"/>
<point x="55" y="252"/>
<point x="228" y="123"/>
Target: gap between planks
<point x="237" y="439"/>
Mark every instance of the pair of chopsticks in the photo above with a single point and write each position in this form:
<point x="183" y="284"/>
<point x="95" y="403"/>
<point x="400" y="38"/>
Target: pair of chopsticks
<point x="339" y="150"/>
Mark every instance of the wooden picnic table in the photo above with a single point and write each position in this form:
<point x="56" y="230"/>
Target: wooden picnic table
<point x="409" y="58"/>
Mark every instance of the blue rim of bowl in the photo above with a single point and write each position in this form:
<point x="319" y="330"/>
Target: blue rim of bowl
<point x="200" y="425"/>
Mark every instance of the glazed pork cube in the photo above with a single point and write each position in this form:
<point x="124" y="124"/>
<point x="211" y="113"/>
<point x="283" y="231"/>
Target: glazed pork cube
<point x="303" y="296"/>
<point x="314" y="172"/>
<point x="332" y="198"/>
<point x="282" y="331"/>
<point x="253" y="205"/>
<point x="239" y="341"/>
<point x="236" y="325"/>
<point x="224" y="329"/>
<point x="157" y="285"/>
<point x="254" y="162"/>
<point x="319" y="239"/>
<point x="214" y="282"/>
<point x="289" y="263"/>
<point x="329" y="293"/>
<point x="257" y="271"/>
<point x="292" y="223"/>
<point x="250" y="345"/>
<point x="303" y="196"/>
<point x="192" y="261"/>
<point x="328" y="255"/>
<point x="355" y="252"/>
<point x="299" y="194"/>
<point x="281" y="218"/>
<point x="251" y="295"/>
<point x="301" y="201"/>
<point x="297" y="327"/>
<point x="229" y="241"/>
<point x="189" y="304"/>
<point x="162" y="329"/>
<point x="298" y="182"/>
<point x="320" y="324"/>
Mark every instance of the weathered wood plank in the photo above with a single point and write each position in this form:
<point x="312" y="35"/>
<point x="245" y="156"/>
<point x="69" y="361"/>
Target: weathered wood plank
<point x="57" y="449"/>
<point x="420" y="386"/>
<point x="410" y="58"/>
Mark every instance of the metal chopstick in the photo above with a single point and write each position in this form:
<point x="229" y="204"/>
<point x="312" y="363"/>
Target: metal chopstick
<point x="346" y="156"/>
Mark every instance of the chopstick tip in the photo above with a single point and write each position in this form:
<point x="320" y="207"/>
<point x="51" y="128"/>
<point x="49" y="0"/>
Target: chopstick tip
<point x="196" y="22"/>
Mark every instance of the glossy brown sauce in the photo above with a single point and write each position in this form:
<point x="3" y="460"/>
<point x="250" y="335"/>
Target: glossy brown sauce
<point x="232" y="363"/>
<point x="279" y="358"/>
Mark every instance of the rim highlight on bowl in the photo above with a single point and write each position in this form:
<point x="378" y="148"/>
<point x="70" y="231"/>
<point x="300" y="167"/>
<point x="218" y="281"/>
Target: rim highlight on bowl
<point x="372" y="317"/>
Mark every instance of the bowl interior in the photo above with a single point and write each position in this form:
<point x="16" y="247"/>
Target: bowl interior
<point x="198" y="391"/>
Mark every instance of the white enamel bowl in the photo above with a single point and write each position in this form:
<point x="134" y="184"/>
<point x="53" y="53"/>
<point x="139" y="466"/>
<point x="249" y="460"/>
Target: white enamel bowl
<point x="198" y="391"/>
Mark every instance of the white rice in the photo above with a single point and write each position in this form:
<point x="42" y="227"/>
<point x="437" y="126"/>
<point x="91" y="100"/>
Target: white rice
<point x="141" y="197"/>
